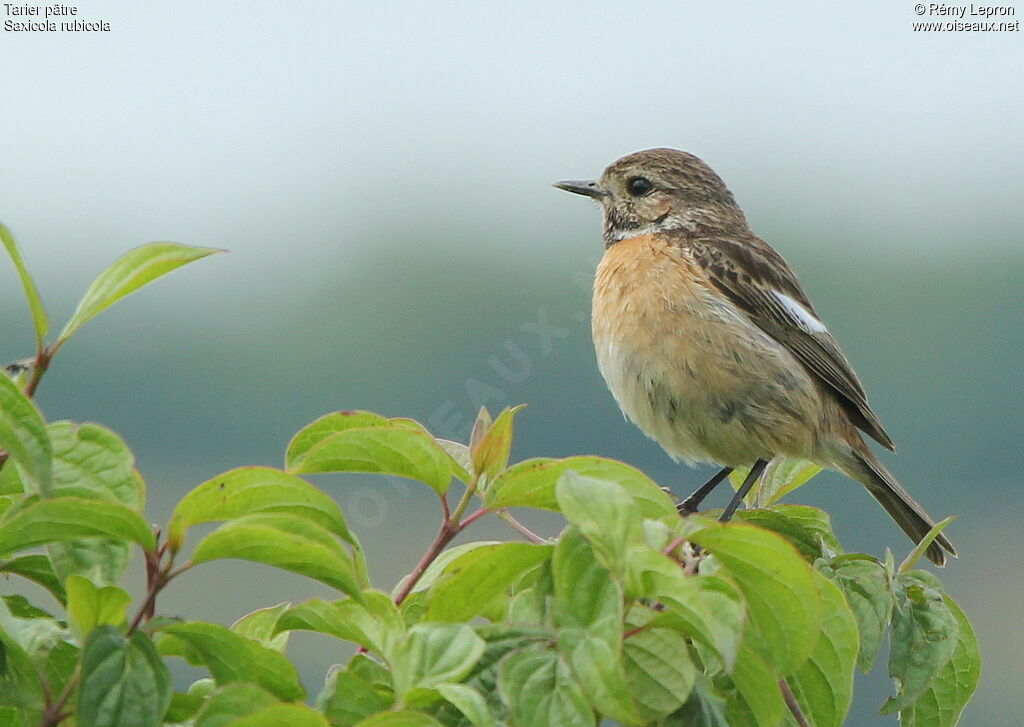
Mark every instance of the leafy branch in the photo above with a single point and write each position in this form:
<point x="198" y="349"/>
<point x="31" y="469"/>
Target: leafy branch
<point x="632" y="614"/>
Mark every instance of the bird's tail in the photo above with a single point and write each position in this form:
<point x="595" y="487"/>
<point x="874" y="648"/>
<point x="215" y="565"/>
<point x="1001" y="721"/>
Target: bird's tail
<point x="911" y="517"/>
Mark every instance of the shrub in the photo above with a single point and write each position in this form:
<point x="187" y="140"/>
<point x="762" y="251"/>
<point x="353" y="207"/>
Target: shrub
<point x="633" y="614"/>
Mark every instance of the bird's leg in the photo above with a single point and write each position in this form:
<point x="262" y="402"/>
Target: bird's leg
<point x="691" y="503"/>
<point x="755" y="473"/>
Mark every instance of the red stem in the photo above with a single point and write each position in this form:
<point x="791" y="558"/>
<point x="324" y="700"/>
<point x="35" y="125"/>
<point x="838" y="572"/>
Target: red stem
<point x="673" y="545"/>
<point x="794" y="707"/>
<point x="445" y="535"/>
<point x="634" y="631"/>
<point x="472" y="518"/>
<point x="43" y="358"/>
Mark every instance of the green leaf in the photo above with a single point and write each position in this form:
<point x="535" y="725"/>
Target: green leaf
<point x="807" y="528"/>
<point x="36" y="568"/>
<point x="375" y="623"/>
<point x="90" y="607"/>
<point x="598" y="667"/>
<point x="285" y="541"/>
<point x="93" y="457"/>
<point x="234" y="658"/>
<point x="183" y="707"/>
<point x="490" y="453"/>
<point x="276" y="715"/>
<point x="823" y="686"/>
<point x="246" y="705"/>
<point x="35" y="303"/>
<point x="951" y="690"/>
<point x="532" y="484"/>
<point x="436" y="569"/>
<point x="92" y="462"/>
<point x="319" y="429"/>
<point x="129" y="273"/>
<point x="19" y="680"/>
<point x="783" y="604"/>
<point x="59" y="665"/>
<point x="20" y="607"/>
<point x="404" y="718"/>
<point x="531" y="597"/>
<point x="456" y="458"/>
<point x="586" y="594"/>
<point x="102" y="561"/>
<point x="71" y="518"/>
<point x="927" y="540"/>
<point x="11" y="487"/>
<point x="480" y="426"/>
<point x="468" y="701"/>
<point x="348" y="698"/>
<point x="202" y="687"/>
<point x="461" y="456"/>
<point x="757" y="700"/>
<point x="924" y="635"/>
<point x="706" y="608"/>
<point x="865" y="585"/>
<point x="250" y="490"/>
<point x="392" y="450"/>
<point x="470" y="582"/>
<point x="588" y="613"/>
<point x="261" y="626"/>
<point x="501" y="640"/>
<point x="781" y="476"/>
<point x="606" y="515"/>
<point x="538" y="688"/>
<point x="124" y="681"/>
<point x="232" y="702"/>
<point x="659" y="670"/>
<point x="704" y="708"/>
<point x="429" y="654"/>
<point x="32" y="629"/>
<point x="367" y="668"/>
<point x="23" y="437"/>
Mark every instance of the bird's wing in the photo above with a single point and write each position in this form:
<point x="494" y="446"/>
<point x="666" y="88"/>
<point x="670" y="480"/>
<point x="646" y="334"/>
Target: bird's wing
<point x="756" y="278"/>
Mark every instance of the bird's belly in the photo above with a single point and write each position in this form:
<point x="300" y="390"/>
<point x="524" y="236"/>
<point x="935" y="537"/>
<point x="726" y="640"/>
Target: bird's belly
<point x="690" y="370"/>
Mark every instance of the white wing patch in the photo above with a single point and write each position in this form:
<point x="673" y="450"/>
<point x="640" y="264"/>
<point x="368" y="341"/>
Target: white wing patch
<point x="801" y="314"/>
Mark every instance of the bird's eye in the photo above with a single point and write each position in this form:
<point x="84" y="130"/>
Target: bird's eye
<point x="639" y="186"/>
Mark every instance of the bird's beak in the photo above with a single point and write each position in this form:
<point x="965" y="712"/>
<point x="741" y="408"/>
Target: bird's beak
<point x="586" y="187"/>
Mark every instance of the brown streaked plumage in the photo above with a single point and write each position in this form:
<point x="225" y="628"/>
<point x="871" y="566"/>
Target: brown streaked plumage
<point x="709" y="343"/>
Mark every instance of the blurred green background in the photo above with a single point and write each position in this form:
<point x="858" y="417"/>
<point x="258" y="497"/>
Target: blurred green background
<point x="380" y="171"/>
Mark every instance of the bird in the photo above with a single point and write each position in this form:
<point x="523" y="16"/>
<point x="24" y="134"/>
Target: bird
<point x="711" y="346"/>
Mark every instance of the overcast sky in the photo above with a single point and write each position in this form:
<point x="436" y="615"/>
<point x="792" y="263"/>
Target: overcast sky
<point x="270" y="127"/>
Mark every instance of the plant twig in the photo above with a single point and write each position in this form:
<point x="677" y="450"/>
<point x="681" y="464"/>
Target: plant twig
<point x="520" y="528"/>
<point x="444" y="536"/>
<point x="472" y="518"/>
<point x="794" y="708"/>
<point x="463" y="503"/>
<point x="54" y="712"/>
<point x="636" y="630"/>
<point x="671" y="547"/>
<point x="451" y="526"/>
<point x="42" y="363"/>
<point x="158" y="579"/>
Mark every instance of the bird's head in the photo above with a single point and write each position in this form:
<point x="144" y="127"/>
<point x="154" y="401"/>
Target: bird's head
<point x="659" y="189"/>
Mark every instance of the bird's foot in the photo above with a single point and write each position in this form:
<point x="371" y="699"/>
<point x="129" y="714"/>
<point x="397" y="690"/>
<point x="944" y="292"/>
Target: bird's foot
<point x="688" y="506"/>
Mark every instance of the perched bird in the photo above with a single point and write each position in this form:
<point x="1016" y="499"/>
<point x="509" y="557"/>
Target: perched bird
<point x="710" y="345"/>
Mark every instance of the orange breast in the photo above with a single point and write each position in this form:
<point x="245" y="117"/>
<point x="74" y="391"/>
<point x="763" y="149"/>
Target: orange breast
<point x="690" y="369"/>
<point x="645" y="290"/>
